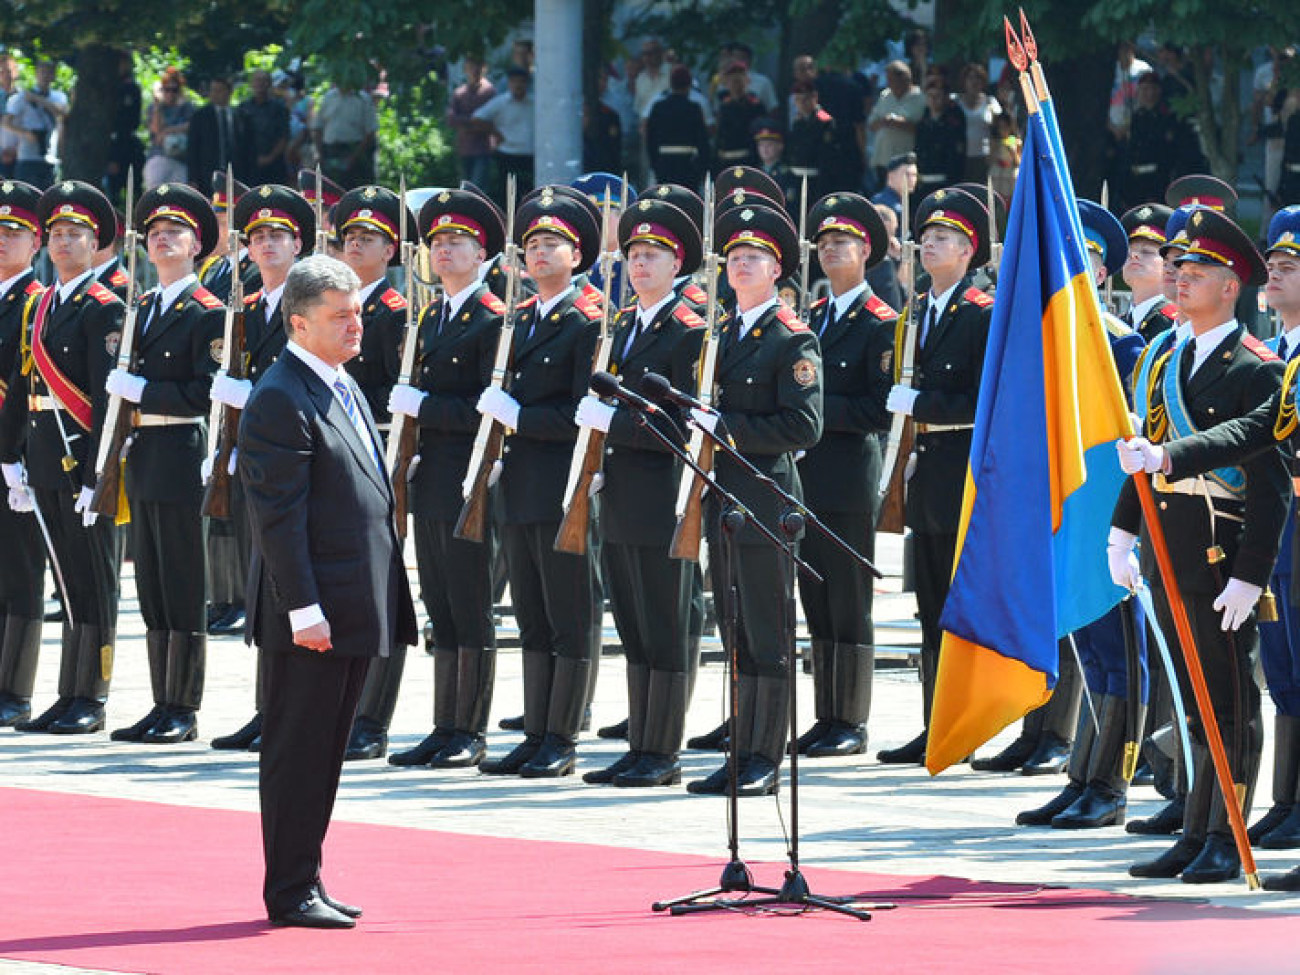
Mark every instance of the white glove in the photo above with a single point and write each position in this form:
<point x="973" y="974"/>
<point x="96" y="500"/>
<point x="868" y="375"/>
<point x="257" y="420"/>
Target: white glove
<point x="21" y="500"/>
<point x="14" y="474"/>
<point x="1123" y="563"/>
<point x="1139" y="454"/>
<point x="232" y="392"/>
<point x="1236" y="601"/>
<point x="205" y="469"/>
<point x="593" y="413"/>
<point x="82" y="507"/>
<point x="706" y="421"/>
<point x="124" y="384"/>
<point x="406" y="400"/>
<point x="902" y="399"/>
<point x="499" y="405"/>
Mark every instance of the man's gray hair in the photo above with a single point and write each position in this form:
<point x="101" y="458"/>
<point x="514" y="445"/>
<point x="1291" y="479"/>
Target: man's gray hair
<point x="308" y="281"/>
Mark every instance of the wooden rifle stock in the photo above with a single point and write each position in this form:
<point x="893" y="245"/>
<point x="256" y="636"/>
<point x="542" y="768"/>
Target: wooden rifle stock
<point x="472" y="523"/>
<point x="890" y="516"/>
<point x="216" y="493"/>
<point x="690" y="526"/>
<point x="572" y="536"/>
<point x="404" y="432"/>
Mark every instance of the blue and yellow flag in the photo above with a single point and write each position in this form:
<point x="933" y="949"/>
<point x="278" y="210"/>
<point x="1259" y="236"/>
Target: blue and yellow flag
<point x="1043" y="475"/>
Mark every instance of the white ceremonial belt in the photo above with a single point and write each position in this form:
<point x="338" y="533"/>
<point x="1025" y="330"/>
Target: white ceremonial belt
<point x="943" y="427"/>
<point x="733" y="153"/>
<point x="1194" y="487"/>
<point x="679" y="151"/>
<point x="809" y="171"/>
<point x="1145" y="169"/>
<point x="139" y="419"/>
<point x="39" y="403"/>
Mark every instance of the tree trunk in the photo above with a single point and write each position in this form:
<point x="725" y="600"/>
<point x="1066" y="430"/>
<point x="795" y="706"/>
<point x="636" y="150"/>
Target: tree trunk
<point x="89" y="125"/>
<point x="1081" y="92"/>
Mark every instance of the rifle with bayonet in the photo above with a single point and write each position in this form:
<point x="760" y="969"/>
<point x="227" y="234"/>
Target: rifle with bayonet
<point x="690" y="492"/>
<point x="117" y="419"/>
<point x="472" y="523"/>
<point x="589" y="449"/>
<point x="223" y="421"/>
<point x="805" y="251"/>
<point x="403" y="436"/>
<point x="322" y="234"/>
<point x="902" y="431"/>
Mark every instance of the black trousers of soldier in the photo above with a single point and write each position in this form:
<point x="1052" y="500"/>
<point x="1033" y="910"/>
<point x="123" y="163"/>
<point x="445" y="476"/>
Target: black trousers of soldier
<point x="456" y="585"/>
<point x="839" y="608"/>
<point x="229" y="550"/>
<point x="22" y="566"/>
<point x="88" y="557"/>
<point x="763" y="604"/>
<point x="650" y="594"/>
<point x="933" y="552"/>
<point x="553" y="593"/>
<point x="169" y="543"/>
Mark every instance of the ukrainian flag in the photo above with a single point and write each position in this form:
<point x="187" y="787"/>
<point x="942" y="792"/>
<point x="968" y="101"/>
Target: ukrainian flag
<point x="1043" y="475"/>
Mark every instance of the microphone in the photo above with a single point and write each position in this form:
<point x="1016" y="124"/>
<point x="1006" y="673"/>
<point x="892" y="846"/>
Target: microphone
<point x="657" y="388"/>
<point x="604" y="384"/>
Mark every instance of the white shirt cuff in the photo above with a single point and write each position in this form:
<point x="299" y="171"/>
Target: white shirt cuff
<point x="300" y="619"/>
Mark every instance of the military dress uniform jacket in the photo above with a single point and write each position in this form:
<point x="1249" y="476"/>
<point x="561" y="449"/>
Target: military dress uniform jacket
<point x="769" y="392"/>
<point x="947" y="374"/>
<point x="842" y="473"/>
<point x="641" y="476"/>
<point x="453" y="367"/>
<point x="216" y="277"/>
<point x="115" y="278"/>
<point x="177" y="353"/>
<point x="25" y="289"/>
<point x="376" y="367"/>
<point x="82" y="337"/>
<point x="263" y="340"/>
<point x="550" y="373"/>
<point x="1163" y="315"/>
<point x="1240" y="375"/>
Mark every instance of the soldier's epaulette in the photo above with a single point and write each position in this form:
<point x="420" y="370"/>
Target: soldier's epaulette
<point x="101" y="294"/>
<point x="206" y="298"/>
<point x="492" y="303"/>
<point x="118" y="278"/>
<point x="693" y="292"/>
<point x="687" y="317"/>
<point x="393" y="299"/>
<point x="790" y="320"/>
<point x="819" y="304"/>
<point x="590" y="291"/>
<point x="588" y="305"/>
<point x="527" y="302"/>
<point x="1170" y="311"/>
<point x="34" y="288"/>
<point x="880" y="309"/>
<point x="1259" y="348"/>
<point x="251" y="300"/>
<point x="977" y="297"/>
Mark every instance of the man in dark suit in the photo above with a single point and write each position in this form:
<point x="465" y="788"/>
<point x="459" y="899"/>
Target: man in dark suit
<point x="214" y="138"/>
<point x="327" y="588"/>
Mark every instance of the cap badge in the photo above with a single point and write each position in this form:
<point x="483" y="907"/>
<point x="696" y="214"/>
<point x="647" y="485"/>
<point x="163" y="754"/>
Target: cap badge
<point x="5" y="210"/>
<point x="66" y="208"/>
<point x="444" y="197"/>
<point x="941" y="194"/>
<point x="162" y="190"/>
<point x="8" y="187"/>
<point x="1286" y="238"/>
<point x="445" y="218"/>
<point x="263" y="213"/>
<point x="831" y="201"/>
<point x="365" y="214"/>
<point x="643" y="228"/>
<point x="1144" y="213"/>
<point x="644" y="204"/>
<point x="265" y="190"/>
<point x="369" y="193"/>
<point x="738" y="172"/>
<point x="67" y="186"/>
<point x="747" y="215"/>
<point x="1196" y="219"/>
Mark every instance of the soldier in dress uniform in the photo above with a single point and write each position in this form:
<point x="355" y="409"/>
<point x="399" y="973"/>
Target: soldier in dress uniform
<point x="953" y="229"/>
<point x="1150" y="311"/>
<point x="177" y="351"/>
<point x="769" y="400"/>
<point x="51" y="420"/>
<point x="738" y="109"/>
<point x="214" y="271"/>
<point x="280" y="226"/>
<point x="368" y="219"/>
<point x="812" y="146"/>
<point x="1152" y="144"/>
<point x="770" y="142"/>
<point x="108" y="266"/>
<point x="554" y="592"/>
<point x="330" y="194"/>
<point x="22" y="570"/>
<point x="459" y="332"/>
<point x="1218" y="373"/>
<point x="676" y="134"/>
<point x="650" y="592"/>
<point x="491" y="272"/>
<point x="684" y="286"/>
<point x="841" y="474"/>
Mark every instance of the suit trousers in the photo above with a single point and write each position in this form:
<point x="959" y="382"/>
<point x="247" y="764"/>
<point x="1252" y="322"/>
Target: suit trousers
<point x="763" y="603"/>
<point x="839" y="608"/>
<point x="88" y="557"/>
<point x="22" y="569"/>
<point x="933" y="552"/>
<point x="169" y="543"/>
<point x="456" y="584"/>
<point x="650" y="594"/>
<point x="311" y="699"/>
<point x="553" y="593"/>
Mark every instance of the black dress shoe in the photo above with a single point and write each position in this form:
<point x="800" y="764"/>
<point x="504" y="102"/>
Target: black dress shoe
<point x="714" y="784"/>
<point x="511" y="724"/>
<point x="812" y="735"/>
<point x="368" y="740"/>
<point x="1049" y="758"/>
<point x="135" y="732"/>
<point x="13" y="709"/>
<point x="651" y="770"/>
<point x="758" y="777"/>
<point x="241" y="739"/>
<point x="231" y="624"/>
<point x="1166" y="822"/>
<point x="1217" y="862"/>
<point x="1170" y="863"/>
<point x="614" y="732"/>
<point x="43" y="721"/>
<point x="463" y="750"/>
<point x="1093" y="809"/>
<point x="348" y="910"/>
<point x="1285" y="835"/>
<point x="84" y="717"/>
<point x="1284" y="881"/>
<point x="175" y="726"/>
<point x="313" y="913"/>
<point x="1008" y="760"/>
<point x="513" y="760"/>
<point x="1268" y="822"/>
<point x="1044" y="814"/>
<point x="425" y="750"/>
<point x="606" y="775"/>
<point x="841" y="739"/>
<point x="556" y="757"/>
<point x="713" y="741"/>
<point x="913" y="753"/>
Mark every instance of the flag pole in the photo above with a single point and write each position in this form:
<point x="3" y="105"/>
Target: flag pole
<point x="1024" y="56"/>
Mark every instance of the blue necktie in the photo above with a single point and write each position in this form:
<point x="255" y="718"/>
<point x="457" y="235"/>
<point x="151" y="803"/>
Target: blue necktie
<point x="354" y="414"/>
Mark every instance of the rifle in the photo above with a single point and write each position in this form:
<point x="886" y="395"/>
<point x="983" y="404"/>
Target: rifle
<point x="995" y="245"/>
<point x="322" y="234"/>
<point x="589" y="449"/>
<point x="403" y="437"/>
<point x="902" y="431"/>
<point x="1108" y="286"/>
<point x="117" y="419"/>
<point x="488" y="441"/>
<point x="805" y="251"/>
<point x="690" y="492"/>
<point x="223" y="421"/>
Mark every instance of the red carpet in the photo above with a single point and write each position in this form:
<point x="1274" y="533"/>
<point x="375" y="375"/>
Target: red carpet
<point x="143" y="887"/>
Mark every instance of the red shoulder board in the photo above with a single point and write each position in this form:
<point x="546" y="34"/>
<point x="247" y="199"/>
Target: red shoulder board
<point x="588" y="304"/>
<point x="882" y="310"/>
<point x="118" y="278"/>
<point x="818" y="304"/>
<point x="34" y="288"/>
<point x="251" y="300"/>
<point x="393" y="299"/>
<point x="206" y="298"/>
<point x="693" y="292"/>
<point x="101" y="294"/>
<point x="1170" y="311"/>
<point x="526" y="303"/>
<point x="1259" y="348"/>
<point x="687" y="317"/>
<point x="589" y="290"/>
<point x="977" y="297"/>
<point x="790" y="320"/>
<point x="492" y="303"/>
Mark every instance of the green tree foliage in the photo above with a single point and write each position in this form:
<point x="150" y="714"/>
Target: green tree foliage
<point x="413" y="139"/>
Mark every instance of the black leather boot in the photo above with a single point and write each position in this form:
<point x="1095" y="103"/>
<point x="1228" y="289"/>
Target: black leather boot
<point x="19" y="655"/>
<point x="559" y="751"/>
<point x="94" y="670"/>
<point x="638" y="689"/>
<point x="475" y="675"/>
<point x="1105" y="798"/>
<point x="375" y="708"/>
<point x="665" y="720"/>
<point x="913" y="753"/>
<point x="155" y="643"/>
<point x="1076" y="769"/>
<point x="242" y="739"/>
<point x="1289" y="881"/>
<point x="822" y="655"/>
<point x="1279" y="829"/>
<point x="1217" y="862"/>
<point x="1196" y="819"/>
<point x="444" y="713"/>
<point x="67" y="687"/>
<point x="712" y="741"/>
<point x="854" y="670"/>
<point x="538" y="669"/>
<point x="718" y="782"/>
<point x="1060" y="720"/>
<point x="770" y="732"/>
<point x="187" y="656"/>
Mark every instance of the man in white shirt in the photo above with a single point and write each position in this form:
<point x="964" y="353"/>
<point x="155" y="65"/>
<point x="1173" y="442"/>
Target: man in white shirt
<point x="508" y="118"/>
<point x="34" y="116"/>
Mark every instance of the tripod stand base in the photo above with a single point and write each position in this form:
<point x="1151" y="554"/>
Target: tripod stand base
<point x="735" y="879"/>
<point x="793" y="893"/>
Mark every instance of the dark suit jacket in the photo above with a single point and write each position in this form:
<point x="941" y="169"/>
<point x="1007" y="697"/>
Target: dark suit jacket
<point x="322" y="519"/>
<point x="203" y="148"/>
